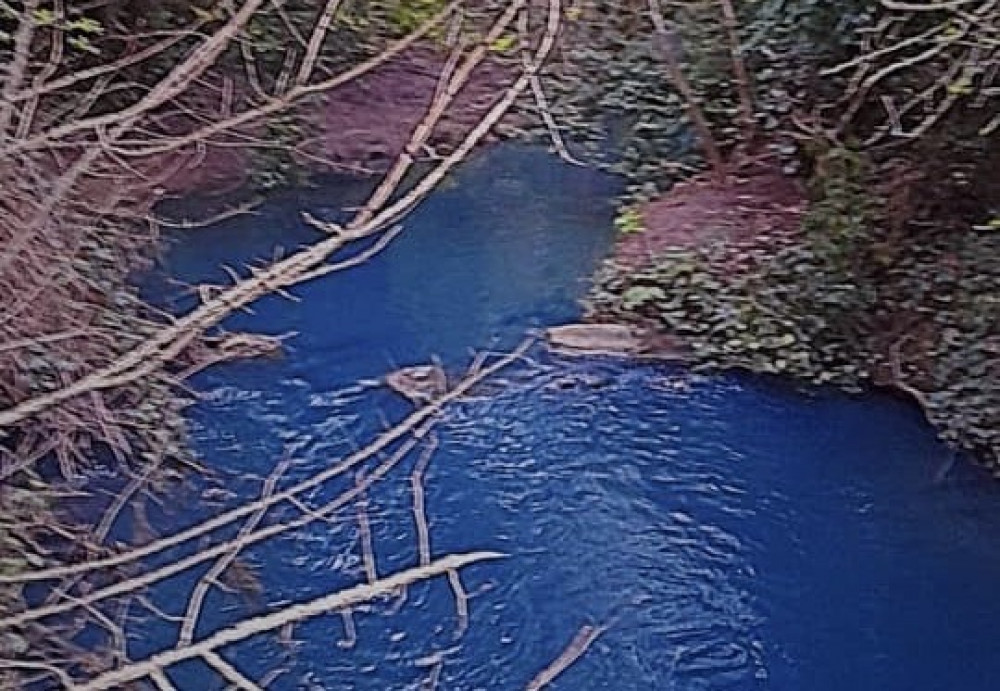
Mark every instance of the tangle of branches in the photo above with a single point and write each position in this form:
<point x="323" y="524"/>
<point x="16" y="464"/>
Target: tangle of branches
<point x="919" y="63"/>
<point x="96" y="120"/>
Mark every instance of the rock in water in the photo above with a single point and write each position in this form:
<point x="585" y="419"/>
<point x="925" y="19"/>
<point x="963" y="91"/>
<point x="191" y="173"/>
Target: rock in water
<point x="613" y="339"/>
<point x="419" y="384"/>
<point x="594" y="339"/>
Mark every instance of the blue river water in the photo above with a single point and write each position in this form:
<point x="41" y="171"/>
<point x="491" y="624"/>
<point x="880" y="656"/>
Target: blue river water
<point x="730" y="533"/>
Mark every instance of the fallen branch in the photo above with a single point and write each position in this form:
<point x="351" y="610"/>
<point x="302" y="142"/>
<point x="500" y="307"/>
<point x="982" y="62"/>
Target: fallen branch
<point x="407" y="426"/>
<point x="576" y="648"/>
<point x="248" y="628"/>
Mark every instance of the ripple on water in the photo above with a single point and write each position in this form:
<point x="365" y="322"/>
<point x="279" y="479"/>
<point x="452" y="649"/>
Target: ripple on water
<point x="707" y="538"/>
<point x="579" y="482"/>
<point x="731" y="534"/>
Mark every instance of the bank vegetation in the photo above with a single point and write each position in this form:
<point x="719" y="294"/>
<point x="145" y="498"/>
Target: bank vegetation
<point x="886" y="273"/>
<point x="882" y="270"/>
<point x="109" y="107"/>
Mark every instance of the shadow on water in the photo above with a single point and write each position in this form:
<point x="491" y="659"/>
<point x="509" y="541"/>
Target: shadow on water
<point x="733" y="534"/>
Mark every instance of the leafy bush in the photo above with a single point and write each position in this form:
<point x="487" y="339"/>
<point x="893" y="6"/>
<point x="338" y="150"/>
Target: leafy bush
<point x="838" y="308"/>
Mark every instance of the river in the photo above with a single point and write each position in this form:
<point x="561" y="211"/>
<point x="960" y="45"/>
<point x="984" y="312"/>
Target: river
<point x="730" y="532"/>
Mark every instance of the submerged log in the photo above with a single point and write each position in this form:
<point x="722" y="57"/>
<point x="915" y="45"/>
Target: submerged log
<point x="419" y="383"/>
<point x="616" y="340"/>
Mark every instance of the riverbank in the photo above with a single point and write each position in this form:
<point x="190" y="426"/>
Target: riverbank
<point x="751" y="275"/>
<point x="858" y="288"/>
<point x="72" y="309"/>
<point x="629" y="495"/>
<point x="867" y="256"/>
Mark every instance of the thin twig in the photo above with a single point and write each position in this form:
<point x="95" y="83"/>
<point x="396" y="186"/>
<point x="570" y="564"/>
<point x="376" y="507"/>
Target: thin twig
<point x="419" y="509"/>
<point x="461" y="602"/>
<point x="576" y="648"/>
<point x="350" y="631"/>
<point x="365" y="532"/>
<point x="230" y="673"/>
<point x="200" y="591"/>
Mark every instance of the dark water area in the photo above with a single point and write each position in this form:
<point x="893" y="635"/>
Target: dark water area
<point x="730" y="533"/>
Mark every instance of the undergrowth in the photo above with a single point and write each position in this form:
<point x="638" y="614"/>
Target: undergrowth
<point x="849" y="304"/>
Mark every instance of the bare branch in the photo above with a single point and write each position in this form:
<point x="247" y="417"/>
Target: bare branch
<point x="179" y="78"/>
<point x="316" y="41"/>
<point x="229" y="673"/>
<point x="365" y="532"/>
<point x="576" y="648"/>
<point x="161" y="681"/>
<point x="200" y="591"/>
<point x="408" y="425"/>
<point x="461" y="602"/>
<point x="171" y="341"/>
<point x="254" y="626"/>
<point x="419" y="510"/>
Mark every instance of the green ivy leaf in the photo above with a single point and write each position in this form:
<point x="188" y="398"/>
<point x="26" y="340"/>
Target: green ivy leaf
<point x="638" y="296"/>
<point x="504" y="44"/>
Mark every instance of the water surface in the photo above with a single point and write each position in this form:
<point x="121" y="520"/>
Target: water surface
<point x="730" y="533"/>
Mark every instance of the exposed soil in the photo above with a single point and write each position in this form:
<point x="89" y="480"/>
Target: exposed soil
<point x="753" y="206"/>
<point x="358" y="128"/>
<point x="365" y="124"/>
